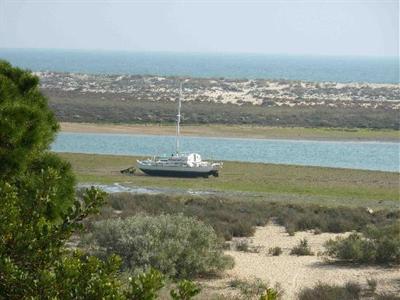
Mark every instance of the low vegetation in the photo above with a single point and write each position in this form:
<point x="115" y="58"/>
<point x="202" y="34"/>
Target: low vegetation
<point x="349" y="291"/>
<point x="238" y="218"/>
<point x="255" y="289"/>
<point x="178" y="246"/>
<point x="302" y="249"/>
<point x="335" y="220"/>
<point x="242" y="245"/>
<point x="374" y="246"/>
<point x="89" y="108"/>
<point x="275" y="251"/>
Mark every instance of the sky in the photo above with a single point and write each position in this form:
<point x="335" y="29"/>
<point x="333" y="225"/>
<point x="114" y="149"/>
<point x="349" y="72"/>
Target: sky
<point x="324" y="27"/>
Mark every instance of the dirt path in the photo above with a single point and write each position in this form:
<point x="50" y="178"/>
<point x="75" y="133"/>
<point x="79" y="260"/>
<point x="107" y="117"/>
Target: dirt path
<point x="296" y="272"/>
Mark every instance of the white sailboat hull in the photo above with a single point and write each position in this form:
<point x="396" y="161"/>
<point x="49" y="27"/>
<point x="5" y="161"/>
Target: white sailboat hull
<point x="178" y="171"/>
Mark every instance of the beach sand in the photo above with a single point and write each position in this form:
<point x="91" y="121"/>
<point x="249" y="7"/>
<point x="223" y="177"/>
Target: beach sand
<point x="294" y="273"/>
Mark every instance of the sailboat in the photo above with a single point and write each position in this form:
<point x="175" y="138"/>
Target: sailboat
<point x="179" y="164"/>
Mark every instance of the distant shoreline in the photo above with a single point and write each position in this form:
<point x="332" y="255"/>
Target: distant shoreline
<point x="239" y="131"/>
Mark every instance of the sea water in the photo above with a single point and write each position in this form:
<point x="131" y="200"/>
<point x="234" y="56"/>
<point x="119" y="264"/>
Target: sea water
<point x="308" y="68"/>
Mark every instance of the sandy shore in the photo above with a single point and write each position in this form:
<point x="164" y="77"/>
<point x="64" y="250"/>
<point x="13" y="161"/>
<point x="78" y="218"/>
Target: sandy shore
<point x="236" y="131"/>
<point x="294" y="273"/>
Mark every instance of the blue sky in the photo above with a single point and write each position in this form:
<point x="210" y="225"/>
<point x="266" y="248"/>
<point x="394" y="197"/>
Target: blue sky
<point x="329" y="27"/>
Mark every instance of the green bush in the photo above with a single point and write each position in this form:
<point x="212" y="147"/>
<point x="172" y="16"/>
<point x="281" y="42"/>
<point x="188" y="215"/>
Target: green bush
<point x="145" y="285"/>
<point x="372" y="284"/>
<point x="338" y="219"/>
<point x="176" y="245"/>
<point x="238" y="218"/>
<point x="249" y="289"/>
<point x="386" y="296"/>
<point x="256" y="289"/>
<point x="242" y="246"/>
<point x="375" y="245"/>
<point x="301" y="249"/>
<point x="275" y="251"/>
<point x="185" y="290"/>
<point x="351" y="291"/>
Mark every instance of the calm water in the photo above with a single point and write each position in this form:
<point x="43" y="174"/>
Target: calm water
<point x="309" y="68"/>
<point x="355" y="155"/>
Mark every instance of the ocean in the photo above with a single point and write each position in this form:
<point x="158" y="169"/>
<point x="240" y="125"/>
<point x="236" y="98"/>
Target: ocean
<point x="235" y="66"/>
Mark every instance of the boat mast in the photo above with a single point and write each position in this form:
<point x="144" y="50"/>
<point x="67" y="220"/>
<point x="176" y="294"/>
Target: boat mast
<point x="178" y="118"/>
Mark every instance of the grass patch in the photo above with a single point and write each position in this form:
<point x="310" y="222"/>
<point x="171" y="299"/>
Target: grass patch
<point x="327" y="186"/>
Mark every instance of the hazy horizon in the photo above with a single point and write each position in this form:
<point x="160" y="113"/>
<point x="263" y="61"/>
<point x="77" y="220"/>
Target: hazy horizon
<point x="202" y="52"/>
<point x="314" y="28"/>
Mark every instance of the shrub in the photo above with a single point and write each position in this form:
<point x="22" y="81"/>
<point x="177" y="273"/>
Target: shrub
<point x="351" y="291"/>
<point x="145" y="285"/>
<point x="372" y="284"/>
<point x="178" y="246"/>
<point x="291" y="229"/>
<point x="386" y="296"/>
<point x="353" y="248"/>
<point x="275" y="251"/>
<point x="301" y="249"/>
<point x="338" y="219"/>
<point x="317" y="231"/>
<point x="233" y="217"/>
<point x="376" y="245"/>
<point x="249" y="289"/>
<point x="270" y="294"/>
<point x="228" y="218"/>
<point x="185" y="290"/>
<point x="242" y="245"/>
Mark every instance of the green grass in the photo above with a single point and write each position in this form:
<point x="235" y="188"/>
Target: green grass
<point x="275" y="182"/>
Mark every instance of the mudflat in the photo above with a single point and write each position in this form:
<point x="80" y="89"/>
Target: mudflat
<point x="238" y="131"/>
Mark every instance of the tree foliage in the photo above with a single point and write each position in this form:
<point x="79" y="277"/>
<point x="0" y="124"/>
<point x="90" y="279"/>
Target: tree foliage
<point x="27" y="126"/>
<point x="39" y="209"/>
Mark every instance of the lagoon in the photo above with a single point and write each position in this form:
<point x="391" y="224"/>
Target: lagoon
<point x="381" y="156"/>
